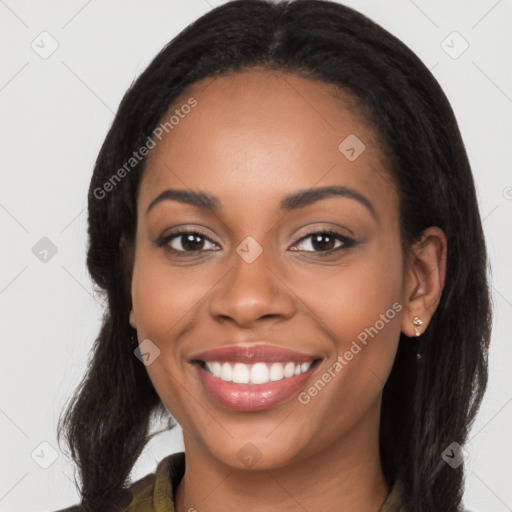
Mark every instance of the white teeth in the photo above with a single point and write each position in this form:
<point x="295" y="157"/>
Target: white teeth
<point x="276" y="372"/>
<point x="241" y="373"/>
<point x="304" y="367"/>
<point x="227" y="372"/>
<point x="289" y="369"/>
<point x="215" y="369"/>
<point x="257" y="373"/>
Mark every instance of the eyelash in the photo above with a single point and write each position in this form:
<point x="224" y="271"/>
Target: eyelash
<point x="347" y="242"/>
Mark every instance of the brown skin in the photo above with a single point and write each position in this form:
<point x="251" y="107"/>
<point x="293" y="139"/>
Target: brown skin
<point x="252" y="139"/>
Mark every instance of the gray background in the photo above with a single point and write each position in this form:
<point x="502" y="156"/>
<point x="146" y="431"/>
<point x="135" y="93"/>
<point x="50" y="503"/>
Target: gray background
<point x="55" y="113"/>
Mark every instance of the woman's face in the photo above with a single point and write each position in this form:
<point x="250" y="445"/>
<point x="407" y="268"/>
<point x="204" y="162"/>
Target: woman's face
<point x="260" y="279"/>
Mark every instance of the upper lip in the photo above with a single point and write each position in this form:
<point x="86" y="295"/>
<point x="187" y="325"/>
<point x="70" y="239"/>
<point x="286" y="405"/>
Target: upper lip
<point x="250" y="354"/>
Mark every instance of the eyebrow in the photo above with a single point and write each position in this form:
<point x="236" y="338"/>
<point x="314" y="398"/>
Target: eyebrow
<point x="294" y="201"/>
<point x="201" y="200"/>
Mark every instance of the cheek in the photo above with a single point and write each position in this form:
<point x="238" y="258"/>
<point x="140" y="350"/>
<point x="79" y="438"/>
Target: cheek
<point x="360" y="307"/>
<point x="365" y="294"/>
<point x="164" y="297"/>
<point x="164" y="301"/>
<point x="364" y="323"/>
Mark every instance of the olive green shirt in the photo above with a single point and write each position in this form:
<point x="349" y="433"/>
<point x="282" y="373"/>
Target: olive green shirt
<point x="155" y="492"/>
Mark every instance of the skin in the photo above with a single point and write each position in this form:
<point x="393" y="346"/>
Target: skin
<point x="253" y="138"/>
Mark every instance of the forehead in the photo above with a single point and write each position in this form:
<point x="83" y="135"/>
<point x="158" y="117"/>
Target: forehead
<point x="252" y="137"/>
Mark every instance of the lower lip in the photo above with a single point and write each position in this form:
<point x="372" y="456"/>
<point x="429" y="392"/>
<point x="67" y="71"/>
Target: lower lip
<point x="252" y="397"/>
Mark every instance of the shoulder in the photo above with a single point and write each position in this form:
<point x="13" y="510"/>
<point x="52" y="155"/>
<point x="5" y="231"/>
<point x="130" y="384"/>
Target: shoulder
<point x="155" y="491"/>
<point x="394" y="500"/>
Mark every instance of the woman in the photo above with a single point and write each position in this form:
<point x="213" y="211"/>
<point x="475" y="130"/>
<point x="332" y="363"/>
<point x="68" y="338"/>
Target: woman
<point x="284" y="222"/>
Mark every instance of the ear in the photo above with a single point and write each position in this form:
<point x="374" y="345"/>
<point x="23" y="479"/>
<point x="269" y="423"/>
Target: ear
<point x="424" y="278"/>
<point x="133" y="321"/>
<point x="126" y="253"/>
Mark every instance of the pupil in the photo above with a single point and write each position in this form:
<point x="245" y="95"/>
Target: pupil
<point x="191" y="241"/>
<point x="326" y="245"/>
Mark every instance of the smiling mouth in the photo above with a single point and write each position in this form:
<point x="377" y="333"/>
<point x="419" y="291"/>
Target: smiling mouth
<point x="257" y="373"/>
<point x="253" y="387"/>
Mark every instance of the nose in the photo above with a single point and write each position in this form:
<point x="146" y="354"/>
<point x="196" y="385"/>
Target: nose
<point x="250" y="293"/>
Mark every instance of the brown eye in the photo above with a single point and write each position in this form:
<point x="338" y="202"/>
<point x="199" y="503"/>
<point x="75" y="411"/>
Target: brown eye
<point x="186" y="241"/>
<point x="325" y="241"/>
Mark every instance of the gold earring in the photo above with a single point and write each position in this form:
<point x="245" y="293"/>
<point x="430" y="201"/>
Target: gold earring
<point x="416" y="321"/>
